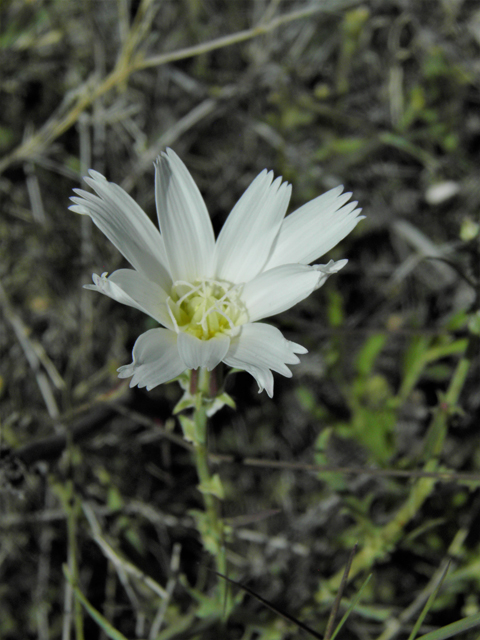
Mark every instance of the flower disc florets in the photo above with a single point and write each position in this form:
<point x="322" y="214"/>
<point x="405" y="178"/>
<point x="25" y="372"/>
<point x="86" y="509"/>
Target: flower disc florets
<point x="206" y="308"/>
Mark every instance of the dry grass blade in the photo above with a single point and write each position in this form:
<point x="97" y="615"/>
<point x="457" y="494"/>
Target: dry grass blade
<point x="35" y="355"/>
<point x="132" y="61"/>
<point x="338" y="597"/>
<point x="121" y="564"/>
<point x="269" y="605"/>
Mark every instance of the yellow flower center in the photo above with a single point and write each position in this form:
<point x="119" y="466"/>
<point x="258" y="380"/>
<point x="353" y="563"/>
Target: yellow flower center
<point x="206" y="308"/>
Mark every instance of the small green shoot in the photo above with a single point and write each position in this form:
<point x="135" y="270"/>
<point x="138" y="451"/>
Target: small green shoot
<point x="428" y="605"/>
<point x="352" y="606"/>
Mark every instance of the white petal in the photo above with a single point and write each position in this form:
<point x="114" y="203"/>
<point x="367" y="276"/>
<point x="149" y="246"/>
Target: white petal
<point x="135" y="290"/>
<point x="326" y="270"/>
<point x="155" y="359"/>
<point x="279" y="289"/>
<point x="184" y="221"/>
<point x="247" y="236"/>
<point x="202" y="353"/>
<point x="126" y="225"/>
<point x="264" y="377"/>
<point x="314" y="229"/>
<point x="260" y="347"/>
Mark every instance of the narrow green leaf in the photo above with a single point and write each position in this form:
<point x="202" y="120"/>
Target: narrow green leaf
<point x="444" y="350"/>
<point x="428" y="605"/>
<point x="365" y="360"/>
<point x="102" y="622"/>
<point x="188" y="428"/>
<point x="350" y="608"/>
<point x="213" y="486"/>
<point x="453" y="629"/>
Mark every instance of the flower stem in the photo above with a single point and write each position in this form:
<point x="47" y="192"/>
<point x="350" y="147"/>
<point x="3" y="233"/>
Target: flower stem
<point x="211" y="524"/>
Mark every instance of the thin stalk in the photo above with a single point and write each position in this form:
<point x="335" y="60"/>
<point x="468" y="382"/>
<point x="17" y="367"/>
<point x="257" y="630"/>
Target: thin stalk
<point x="71" y="507"/>
<point x="72" y="510"/>
<point x="204" y="381"/>
<point x="438" y="428"/>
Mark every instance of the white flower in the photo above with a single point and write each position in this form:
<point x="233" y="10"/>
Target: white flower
<point x="208" y="295"/>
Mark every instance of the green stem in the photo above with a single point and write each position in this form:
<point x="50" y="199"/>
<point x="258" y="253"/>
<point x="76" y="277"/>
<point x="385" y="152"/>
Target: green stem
<point x="72" y="512"/>
<point x="71" y="505"/>
<point x="438" y="428"/>
<point x="204" y="382"/>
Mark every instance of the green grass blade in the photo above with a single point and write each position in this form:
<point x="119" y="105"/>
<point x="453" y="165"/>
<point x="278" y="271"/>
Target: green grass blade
<point x="350" y="608"/>
<point x="453" y="629"/>
<point x="428" y="605"/>
<point x="102" y="622"/>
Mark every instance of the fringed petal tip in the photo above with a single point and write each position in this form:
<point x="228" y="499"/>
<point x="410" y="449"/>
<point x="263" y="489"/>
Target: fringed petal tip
<point x="106" y="285"/>
<point x="168" y="156"/>
<point x="247" y="237"/>
<point x="137" y="380"/>
<point x="127" y="371"/>
<point x="315" y="228"/>
<point x="260" y="349"/>
<point x="326" y="270"/>
<point x="333" y="266"/>
<point x="160" y="158"/>
<point x="263" y="377"/>
<point x="155" y="360"/>
<point x="265" y="381"/>
<point x="100" y="283"/>
<point x="125" y="224"/>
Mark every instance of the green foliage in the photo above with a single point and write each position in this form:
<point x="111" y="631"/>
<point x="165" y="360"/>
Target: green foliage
<point x="372" y="404"/>
<point x="212" y="486"/>
<point x="352" y="28"/>
<point x="336" y="481"/>
<point x="102" y="622"/>
<point x="454" y="629"/>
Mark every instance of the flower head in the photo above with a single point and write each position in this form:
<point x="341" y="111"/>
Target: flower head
<point x="209" y="295"/>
